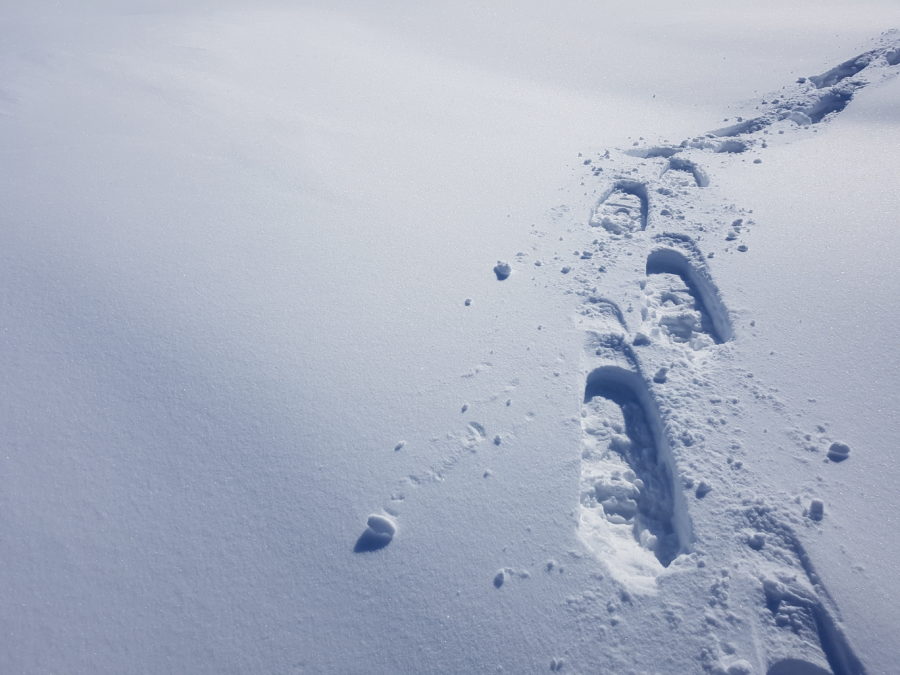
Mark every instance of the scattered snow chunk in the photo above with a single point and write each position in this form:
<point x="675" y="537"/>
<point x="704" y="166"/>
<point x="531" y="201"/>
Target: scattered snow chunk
<point x="816" y="509"/>
<point x="383" y="525"/>
<point x="502" y="270"/>
<point x="468" y="302"/>
<point x="399" y="446"/>
<point x="838" y="452"/>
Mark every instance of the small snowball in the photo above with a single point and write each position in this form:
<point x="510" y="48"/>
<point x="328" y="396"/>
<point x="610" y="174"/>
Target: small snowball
<point x="468" y="302"/>
<point x="661" y="375"/>
<point x="499" y="578"/>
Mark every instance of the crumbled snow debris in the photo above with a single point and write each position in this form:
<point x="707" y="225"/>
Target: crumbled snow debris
<point x="400" y="445"/>
<point x="465" y="407"/>
<point x="468" y="301"/>
<point x="742" y="248"/>
<point x="497" y="440"/>
<point x="661" y="375"/>
<point x="703" y="489"/>
<point x="566" y="269"/>
<point x="502" y="270"/>
<point x="640" y="340"/>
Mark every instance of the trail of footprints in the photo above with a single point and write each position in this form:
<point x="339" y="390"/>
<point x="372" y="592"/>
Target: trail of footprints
<point x="633" y="513"/>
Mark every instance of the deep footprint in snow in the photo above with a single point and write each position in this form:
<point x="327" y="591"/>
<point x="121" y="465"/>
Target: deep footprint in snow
<point x="623" y="208"/>
<point x="631" y="514"/>
<point x="686" y="309"/>
<point x="799" y="603"/>
<point x="688" y="166"/>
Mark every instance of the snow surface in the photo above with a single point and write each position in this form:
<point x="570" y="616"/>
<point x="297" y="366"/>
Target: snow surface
<point x="269" y="408"/>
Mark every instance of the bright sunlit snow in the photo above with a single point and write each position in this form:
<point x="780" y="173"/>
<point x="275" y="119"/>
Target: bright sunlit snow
<point x="449" y="338"/>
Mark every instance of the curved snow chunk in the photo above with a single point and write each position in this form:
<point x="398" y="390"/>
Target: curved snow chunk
<point x="681" y="164"/>
<point x="645" y="493"/>
<point x="667" y="260"/>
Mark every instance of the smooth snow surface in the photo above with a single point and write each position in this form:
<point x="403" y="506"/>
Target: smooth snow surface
<point x="348" y="338"/>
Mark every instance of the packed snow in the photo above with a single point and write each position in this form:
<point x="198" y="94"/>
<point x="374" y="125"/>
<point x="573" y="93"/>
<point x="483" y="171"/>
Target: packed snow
<point x="449" y="338"/>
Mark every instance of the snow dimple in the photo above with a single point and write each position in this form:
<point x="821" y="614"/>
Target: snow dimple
<point x="624" y="208"/>
<point x="628" y="506"/>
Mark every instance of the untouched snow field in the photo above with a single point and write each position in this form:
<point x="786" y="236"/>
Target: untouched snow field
<point x="270" y="407"/>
